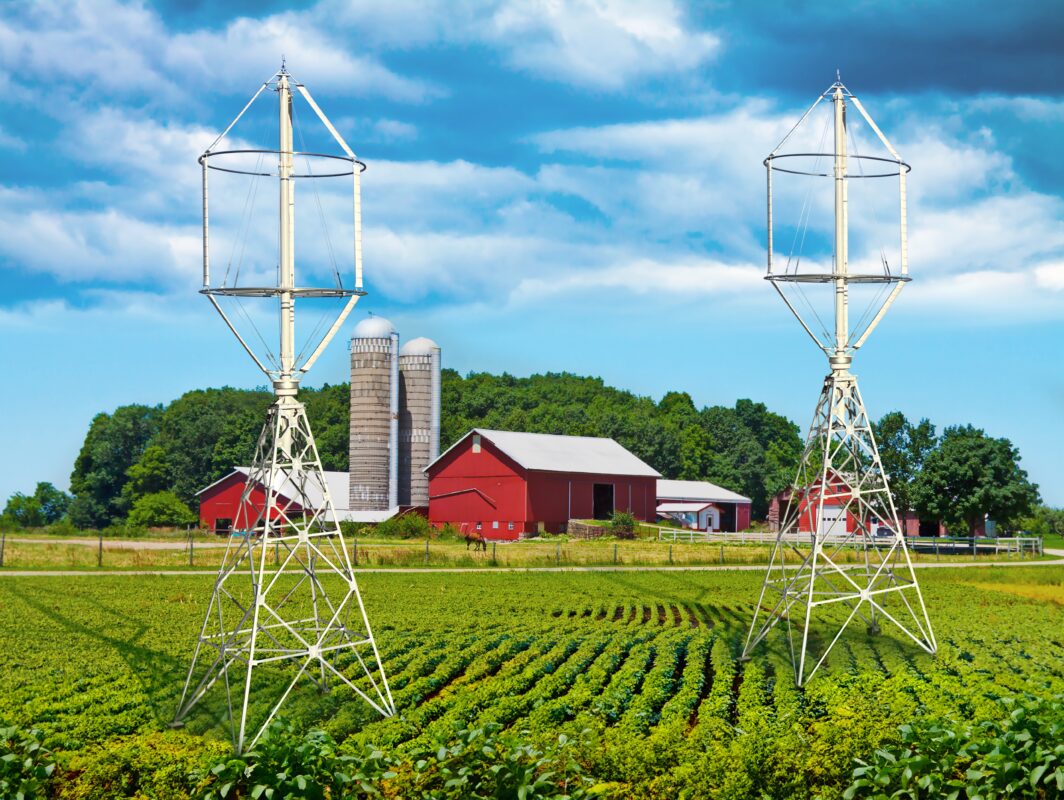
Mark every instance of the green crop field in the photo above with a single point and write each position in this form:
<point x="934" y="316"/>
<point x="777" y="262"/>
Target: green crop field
<point x="639" y="670"/>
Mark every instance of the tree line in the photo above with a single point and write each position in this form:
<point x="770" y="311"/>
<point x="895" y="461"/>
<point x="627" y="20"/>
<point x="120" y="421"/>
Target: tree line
<point x="142" y="465"/>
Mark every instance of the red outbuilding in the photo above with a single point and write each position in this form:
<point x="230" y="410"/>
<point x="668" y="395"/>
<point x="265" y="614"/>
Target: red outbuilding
<point x="507" y="485"/>
<point x="219" y="503"/>
<point x="836" y="505"/>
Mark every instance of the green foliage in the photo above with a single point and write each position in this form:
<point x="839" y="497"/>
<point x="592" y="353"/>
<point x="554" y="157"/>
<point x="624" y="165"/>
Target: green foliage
<point x="622" y="523"/>
<point x="1042" y="521"/>
<point x="1020" y="755"/>
<point x="46" y="506"/>
<point x="971" y="474"/>
<point x="465" y="764"/>
<point x="25" y="766"/>
<point x="149" y="475"/>
<point x="903" y="448"/>
<point x="288" y="765"/>
<point x="407" y="526"/>
<point x="152" y="765"/>
<point x="493" y="668"/>
<point x="160" y="510"/>
<point x="191" y="427"/>
<point x="113" y="444"/>
<point x="746" y="448"/>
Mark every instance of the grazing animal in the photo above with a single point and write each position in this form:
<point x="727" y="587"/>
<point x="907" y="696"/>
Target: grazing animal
<point x="475" y="538"/>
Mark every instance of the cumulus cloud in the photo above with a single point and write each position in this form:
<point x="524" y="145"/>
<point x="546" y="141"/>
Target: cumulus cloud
<point x="125" y="48"/>
<point x="83" y="245"/>
<point x="596" y="43"/>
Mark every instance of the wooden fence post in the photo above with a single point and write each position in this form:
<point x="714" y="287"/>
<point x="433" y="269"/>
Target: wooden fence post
<point x="99" y="552"/>
<point x="190" y="546"/>
<point x="3" y="542"/>
<point x="493" y="552"/>
<point x="426" y="551"/>
<point x="670" y="553"/>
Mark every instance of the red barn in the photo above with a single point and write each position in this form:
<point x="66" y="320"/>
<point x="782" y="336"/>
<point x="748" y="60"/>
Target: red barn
<point x="835" y="500"/>
<point x="220" y="502"/>
<point x="507" y="484"/>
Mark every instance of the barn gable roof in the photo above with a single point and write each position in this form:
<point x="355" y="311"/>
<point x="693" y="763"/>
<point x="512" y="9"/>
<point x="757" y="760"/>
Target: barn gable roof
<point x="702" y="491"/>
<point x="338" y="490"/>
<point x="548" y="452"/>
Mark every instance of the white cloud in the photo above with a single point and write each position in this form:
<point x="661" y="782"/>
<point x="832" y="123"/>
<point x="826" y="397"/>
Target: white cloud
<point x="125" y="48"/>
<point x="242" y="54"/>
<point x="83" y="245"/>
<point x="1050" y="276"/>
<point x="598" y="43"/>
<point x="646" y="276"/>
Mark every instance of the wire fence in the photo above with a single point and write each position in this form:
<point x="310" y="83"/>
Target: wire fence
<point x="977" y="545"/>
<point x="672" y="548"/>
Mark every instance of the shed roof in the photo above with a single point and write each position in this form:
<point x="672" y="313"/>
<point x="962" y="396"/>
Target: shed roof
<point x="681" y="508"/>
<point x="700" y="491"/>
<point x="338" y="490"/>
<point x="548" y="452"/>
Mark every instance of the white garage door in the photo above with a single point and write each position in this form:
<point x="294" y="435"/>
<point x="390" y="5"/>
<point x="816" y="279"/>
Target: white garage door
<point x="832" y="521"/>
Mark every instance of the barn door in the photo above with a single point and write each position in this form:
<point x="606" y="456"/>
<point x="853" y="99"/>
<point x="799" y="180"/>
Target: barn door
<point x="602" y="500"/>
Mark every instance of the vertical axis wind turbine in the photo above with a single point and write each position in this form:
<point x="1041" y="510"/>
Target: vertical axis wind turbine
<point x="840" y="498"/>
<point x="300" y="619"/>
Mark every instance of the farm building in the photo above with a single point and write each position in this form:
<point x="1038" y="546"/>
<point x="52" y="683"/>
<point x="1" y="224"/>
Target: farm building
<point x="507" y="484"/>
<point x="219" y="502"/>
<point x="703" y="506"/>
<point x="831" y="517"/>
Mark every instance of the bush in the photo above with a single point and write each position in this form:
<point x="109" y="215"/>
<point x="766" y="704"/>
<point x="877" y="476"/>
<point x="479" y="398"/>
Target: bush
<point x="160" y="510"/>
<point x="286" y="765"/>
<point x="407" y="526"/>
<point x="156" y="764"/>
<point x="622" y="524"/>
<point x="469" y="764"/>
<point x="1018" y="756"/>
<point x="25" y="766"/>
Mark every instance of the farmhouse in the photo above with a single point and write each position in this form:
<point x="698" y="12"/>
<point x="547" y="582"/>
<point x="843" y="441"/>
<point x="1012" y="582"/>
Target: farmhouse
<point x="703" y="506"/>
<point x="219" y="502"/>
<point x="507" y="484"/>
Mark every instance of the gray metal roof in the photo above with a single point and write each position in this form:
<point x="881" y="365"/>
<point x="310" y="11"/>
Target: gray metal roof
<point x="338" y="489"/>
<point x="697" y="491"/>
<point x="666" y="508"/>
<point x="548" y="452"/>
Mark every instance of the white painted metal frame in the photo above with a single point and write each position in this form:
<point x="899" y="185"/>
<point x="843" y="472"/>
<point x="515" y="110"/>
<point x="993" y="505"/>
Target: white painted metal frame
<point x="304" y="612"/>
<point x="840" y="467"/>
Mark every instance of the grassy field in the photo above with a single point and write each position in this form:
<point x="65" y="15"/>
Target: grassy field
<point x="44" y="553"/>
<point x="639" y="668"/>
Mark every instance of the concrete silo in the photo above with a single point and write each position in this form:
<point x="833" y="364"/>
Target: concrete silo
<point x="419" y="418"/>
<point x="374" y="415"/>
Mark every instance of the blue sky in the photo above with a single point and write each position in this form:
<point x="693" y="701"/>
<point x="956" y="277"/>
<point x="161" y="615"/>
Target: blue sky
<point x="551" y="186"/>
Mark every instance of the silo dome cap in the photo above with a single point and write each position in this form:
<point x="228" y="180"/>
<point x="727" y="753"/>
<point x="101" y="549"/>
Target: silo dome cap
<point x="419" y="347"/>
<point x="373" y="328"/>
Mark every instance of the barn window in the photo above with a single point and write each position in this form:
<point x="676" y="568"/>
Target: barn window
<point x="476" y="442"/>
<point x="478" y="526"/>
<point x="509" y="526"/>
<point x="495" y="525"/>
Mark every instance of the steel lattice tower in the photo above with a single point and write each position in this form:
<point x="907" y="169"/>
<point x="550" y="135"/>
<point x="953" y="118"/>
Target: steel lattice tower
<point x="812" y="589"/>
<point x="286" y="607"/>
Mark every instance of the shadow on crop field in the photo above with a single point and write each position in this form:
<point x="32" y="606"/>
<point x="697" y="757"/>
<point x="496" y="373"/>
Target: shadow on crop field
<point x="160" y="674"/>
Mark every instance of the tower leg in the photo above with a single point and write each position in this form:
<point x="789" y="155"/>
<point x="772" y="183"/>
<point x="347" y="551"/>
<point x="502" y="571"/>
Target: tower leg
<point x="296" y="621"/>
<point x="840" y="553"/>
